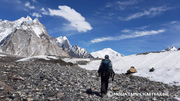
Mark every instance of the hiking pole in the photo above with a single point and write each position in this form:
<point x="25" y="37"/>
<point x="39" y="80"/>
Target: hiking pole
<point x="111" y="92"/>
<point x="113" y="79"/>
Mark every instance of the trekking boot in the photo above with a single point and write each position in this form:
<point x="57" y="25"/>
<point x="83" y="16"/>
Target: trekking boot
<point x="102" y="95"/>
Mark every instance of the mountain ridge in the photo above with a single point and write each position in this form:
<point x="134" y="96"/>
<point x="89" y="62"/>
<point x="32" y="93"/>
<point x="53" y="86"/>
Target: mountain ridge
<point x="27" y="37"/>
<point x="173" y="48"/>
<point x="74" y="51"/>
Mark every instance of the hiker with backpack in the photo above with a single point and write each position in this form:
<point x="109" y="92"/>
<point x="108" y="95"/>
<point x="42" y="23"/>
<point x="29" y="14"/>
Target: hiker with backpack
<point x="105" y="71"/>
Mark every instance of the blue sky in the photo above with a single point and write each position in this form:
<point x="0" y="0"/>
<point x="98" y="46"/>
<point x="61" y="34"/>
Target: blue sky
<point x="126" y="26"/>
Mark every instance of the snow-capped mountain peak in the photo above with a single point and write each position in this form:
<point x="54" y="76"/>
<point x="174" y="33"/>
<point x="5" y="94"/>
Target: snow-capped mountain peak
<point x="75" y="48"/>
<point x="28" y="20"/>
<point x="20" y="37"/>
<point x="63" y="42"/>
<point x="170" y="49"/>
<point x="7" y="27"/>
<point x="81" y="52"/>
<point x="106" y="51"/>
<point x="36" y="20"/>
<point x="74" y="51"/>
<point x="62" y="39"/>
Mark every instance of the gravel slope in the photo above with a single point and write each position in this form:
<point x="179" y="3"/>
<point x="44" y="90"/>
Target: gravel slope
<point x="55" y="80"/>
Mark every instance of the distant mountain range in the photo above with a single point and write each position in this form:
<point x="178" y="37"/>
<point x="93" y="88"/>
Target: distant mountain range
<point x="26" y="37"/>
<point x="170" y="48"/>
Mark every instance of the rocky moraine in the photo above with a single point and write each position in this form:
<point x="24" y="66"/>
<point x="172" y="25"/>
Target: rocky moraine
<point x="56" y="80"/>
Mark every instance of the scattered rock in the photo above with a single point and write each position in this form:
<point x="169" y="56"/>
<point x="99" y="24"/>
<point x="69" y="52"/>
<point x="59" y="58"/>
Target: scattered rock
<point x="30" y="99"/>
<point x="151" y="70"/>
<point x="131" y="70"/>
<point x="115" y="89"/>
<point x="60" y="95"/>
<point x="53" y="81"/>
<point x="16" y="78"/>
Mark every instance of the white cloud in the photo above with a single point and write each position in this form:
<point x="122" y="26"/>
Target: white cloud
<point x="126" y="30"/>
<point x="44" y="12"/>
<point x="143" y="27"/>
<point x="126" y="3"/>
<point x="109" y="5"/>
<point x="174" y="22"/>
<point x="34" y="1"/>
<point x="76" y="19"/>
<point x="174" y="26"/>
<point x="27" y="4"/>
<point x="121" y="5"/>
<point x="35" y="14"/>
<point x="151" y="12"/>
<point x="18" y="1"/>
<point x="25" y="9"/>
<point x="133" y="35"/>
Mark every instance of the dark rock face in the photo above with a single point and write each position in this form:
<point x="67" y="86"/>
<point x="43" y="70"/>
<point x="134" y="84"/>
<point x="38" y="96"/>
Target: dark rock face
<point x="56" y="80"/>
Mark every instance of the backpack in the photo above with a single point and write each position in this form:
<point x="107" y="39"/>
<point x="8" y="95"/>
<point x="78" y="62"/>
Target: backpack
<point x="106" y="65"/>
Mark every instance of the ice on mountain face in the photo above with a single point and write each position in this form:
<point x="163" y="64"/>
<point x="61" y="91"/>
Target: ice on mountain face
<point x="28" y="20"/>
<point x="63" y="41"/>
<point x="36" y="20"/>
<point x="24" y="27"/>
<point x="6" y="27"/>
<point x="77" y="49"/>
<point x="74" y="48"/>
<point x="81" y="52"/>
<point x="4" y="34"/>
<point x="60" y="40"/>
<point x="38" y="30"/>
<point x="19" y="22"/>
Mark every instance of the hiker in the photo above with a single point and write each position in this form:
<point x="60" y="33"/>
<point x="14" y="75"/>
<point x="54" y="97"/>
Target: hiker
<point x="105" y="71"/>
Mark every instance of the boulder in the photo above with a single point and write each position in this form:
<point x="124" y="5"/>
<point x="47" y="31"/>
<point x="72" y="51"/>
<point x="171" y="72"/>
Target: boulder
<point x="131" y="70"/>
<point x="151" y="70"/>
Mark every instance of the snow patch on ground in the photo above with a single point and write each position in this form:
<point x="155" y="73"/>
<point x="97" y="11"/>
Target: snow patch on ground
<point x="38" y="57"/>
<point x="166" y="64"/>
<point x="74" y="60"/>
<point x="2" y="55"/>
<point x="177" y="98"/>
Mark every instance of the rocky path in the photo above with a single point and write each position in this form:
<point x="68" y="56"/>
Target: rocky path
<point x="59" y="81"/>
